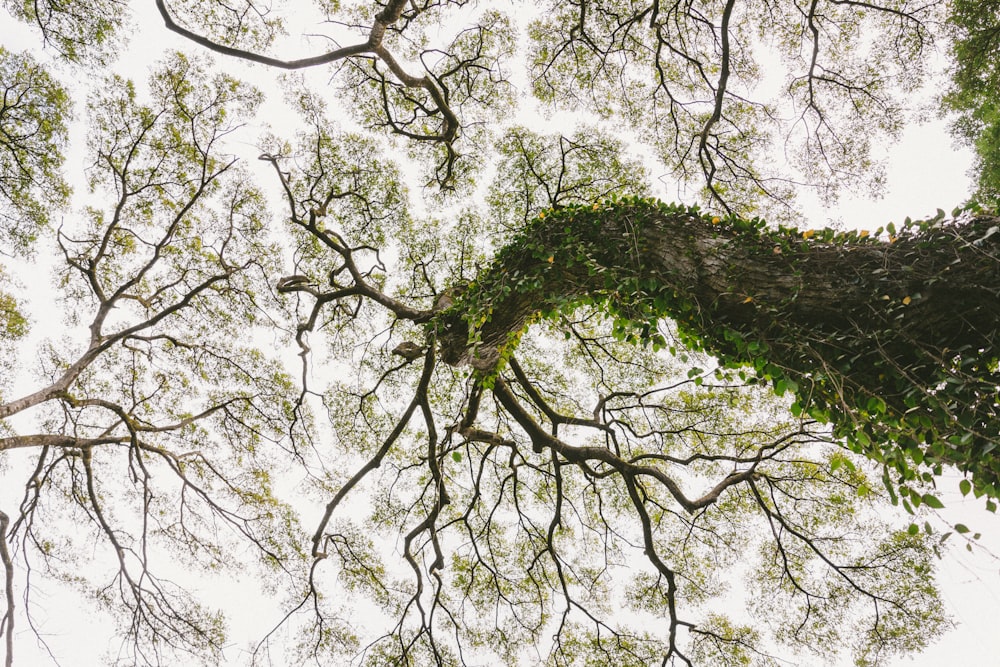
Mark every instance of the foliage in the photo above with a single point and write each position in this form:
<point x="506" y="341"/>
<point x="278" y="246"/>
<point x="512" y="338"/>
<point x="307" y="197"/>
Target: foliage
<point x="687" y="81"/>
<point x="79" y="36"/>
<point x="497" y="443"/>
<point x="152" y="430"/>
<point x="975" y="80"/>
<point x="33" y="136"/>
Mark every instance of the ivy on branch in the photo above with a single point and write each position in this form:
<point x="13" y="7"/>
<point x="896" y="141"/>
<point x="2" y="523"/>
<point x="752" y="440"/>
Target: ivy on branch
<point x="891" y="336"/>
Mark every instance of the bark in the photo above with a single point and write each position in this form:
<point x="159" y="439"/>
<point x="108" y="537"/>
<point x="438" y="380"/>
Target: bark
<point x="909" y="321"/>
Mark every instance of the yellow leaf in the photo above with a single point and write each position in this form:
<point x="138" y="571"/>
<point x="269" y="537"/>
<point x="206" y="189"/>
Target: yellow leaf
<point x="863" y="233"/>
<point x="551" y="258"/>
<point x="808" y="233"/>
<point x="748" y="299"/>
<point x="906" y="300"/>
<point x="716" y="220"/>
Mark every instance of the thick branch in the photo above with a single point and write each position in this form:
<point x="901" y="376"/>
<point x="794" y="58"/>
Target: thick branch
<point x="376" y="461"/>
<point x="583" y="455"/>
<point x="7" y="620"/>
<point x="373" y="46"/>
<point x="868" y="331"/>
<point x="324" y="58"/>
<point x="57" y="440"/>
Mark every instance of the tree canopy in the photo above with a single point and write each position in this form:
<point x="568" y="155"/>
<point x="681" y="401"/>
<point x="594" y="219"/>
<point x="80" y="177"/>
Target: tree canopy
<point x="451" y="389"/>
<point x="975" y="80"/>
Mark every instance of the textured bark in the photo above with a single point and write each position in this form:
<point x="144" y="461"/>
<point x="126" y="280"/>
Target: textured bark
<point x="812" y="287"/>
<point x="869" y="318"/>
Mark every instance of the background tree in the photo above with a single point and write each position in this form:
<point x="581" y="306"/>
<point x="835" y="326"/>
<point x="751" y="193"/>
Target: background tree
<point x="558" y="489"/>
<point x="140" y="421"/>
<point x="32" y="141"/>
<point x="975" y="80"/>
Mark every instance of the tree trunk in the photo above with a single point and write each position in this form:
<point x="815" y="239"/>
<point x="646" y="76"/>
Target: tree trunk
<point x="893" y="339"/>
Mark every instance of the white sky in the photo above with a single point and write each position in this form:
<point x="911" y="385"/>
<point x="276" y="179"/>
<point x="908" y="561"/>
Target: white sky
<point x="926" y="171"/>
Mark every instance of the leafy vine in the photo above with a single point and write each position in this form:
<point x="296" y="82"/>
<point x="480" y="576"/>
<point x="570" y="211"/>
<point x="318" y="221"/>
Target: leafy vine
<point x="890" y="336"/>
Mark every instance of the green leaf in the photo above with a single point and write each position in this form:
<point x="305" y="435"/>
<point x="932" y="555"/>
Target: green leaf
<point x="965" y="486"/>
<point x="876" y="405"/>
<point x="931" y="501"/>
<point x="961" y="528"/>
<point x="913" y="529"/>
<point x="457" y="457"/>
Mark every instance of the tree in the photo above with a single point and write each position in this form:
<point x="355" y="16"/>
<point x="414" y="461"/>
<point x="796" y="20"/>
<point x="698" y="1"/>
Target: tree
<point x="976" y="46"/>
<point x="32" y="141"/>
<point x="162" y="278"/>
<point x="502" y="412"/>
